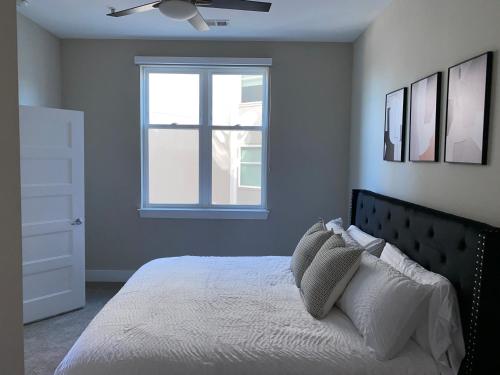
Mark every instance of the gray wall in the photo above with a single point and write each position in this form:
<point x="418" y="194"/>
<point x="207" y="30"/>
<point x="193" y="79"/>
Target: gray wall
<point x="311" y="92"/>
<point x="11" y="344"/>
<point x="410" y="40"/>
<point x="39" y="54"/>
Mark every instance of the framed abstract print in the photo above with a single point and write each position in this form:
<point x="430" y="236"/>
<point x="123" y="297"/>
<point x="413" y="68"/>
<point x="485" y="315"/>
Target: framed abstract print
<point x="468" y="107"/>
<point x="394" y="127"/>
<point x="425" y="106"/>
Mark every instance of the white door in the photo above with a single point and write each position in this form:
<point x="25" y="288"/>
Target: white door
<point x="53" y="218"/>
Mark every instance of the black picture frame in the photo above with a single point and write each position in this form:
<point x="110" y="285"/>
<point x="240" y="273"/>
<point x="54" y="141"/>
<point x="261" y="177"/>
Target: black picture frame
<point x="391" y="152"/>
<point x="481" y="159"/>
<point x="436" y="121"/>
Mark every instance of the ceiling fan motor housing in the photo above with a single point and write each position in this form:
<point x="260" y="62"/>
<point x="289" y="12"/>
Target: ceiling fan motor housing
<point x="180" y="10"/>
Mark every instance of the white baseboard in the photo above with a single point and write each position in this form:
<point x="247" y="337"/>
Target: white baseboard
<point x="108" y="275"/>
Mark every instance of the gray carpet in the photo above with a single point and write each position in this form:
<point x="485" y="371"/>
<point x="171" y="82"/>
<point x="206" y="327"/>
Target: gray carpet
<point x="47" y="342"/>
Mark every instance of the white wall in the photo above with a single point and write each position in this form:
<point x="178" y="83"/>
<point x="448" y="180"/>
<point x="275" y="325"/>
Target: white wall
<point x="11" y="344"/>
<point x="410" y="40"/>
<point x="309" y="128"/>
<point x="39" y="54"/>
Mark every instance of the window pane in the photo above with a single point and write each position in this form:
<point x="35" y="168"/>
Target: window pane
<point x="173" y="166"/>
<point x="227" y="146"/>
<point x="174" y="98"/>
<point x="251" y="154"/>
<point x="250" y="175"/>
<point x="237" y="99"/>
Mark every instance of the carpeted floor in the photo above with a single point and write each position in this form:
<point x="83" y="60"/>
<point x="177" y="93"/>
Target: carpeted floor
<point x="47" y="342"/>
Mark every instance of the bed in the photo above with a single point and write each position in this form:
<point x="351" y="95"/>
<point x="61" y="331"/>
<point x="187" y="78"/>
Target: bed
<point x="210" y="315"/>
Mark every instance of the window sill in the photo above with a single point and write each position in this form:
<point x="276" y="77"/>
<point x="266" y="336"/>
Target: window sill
<point x="205" y="213"/>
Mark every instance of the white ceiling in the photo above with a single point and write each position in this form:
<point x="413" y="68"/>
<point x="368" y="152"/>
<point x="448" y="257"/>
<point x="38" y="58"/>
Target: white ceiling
<point x="288" y="20"/>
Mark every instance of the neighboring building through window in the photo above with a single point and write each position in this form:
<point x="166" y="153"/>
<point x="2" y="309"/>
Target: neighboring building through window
<point x="250" y="172"/>
<point x="204" y="137"/>
<point x="251" y="88"/>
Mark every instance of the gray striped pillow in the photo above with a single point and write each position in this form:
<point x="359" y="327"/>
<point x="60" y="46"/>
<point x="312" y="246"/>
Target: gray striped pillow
<point x="327" y="277"/>
<point x="308" y="246"/>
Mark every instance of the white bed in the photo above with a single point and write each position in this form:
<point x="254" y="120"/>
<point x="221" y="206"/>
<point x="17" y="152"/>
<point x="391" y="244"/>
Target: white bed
<point x="209" y="315"/>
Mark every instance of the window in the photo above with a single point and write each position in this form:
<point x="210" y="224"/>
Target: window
<point x="204" y="141"/>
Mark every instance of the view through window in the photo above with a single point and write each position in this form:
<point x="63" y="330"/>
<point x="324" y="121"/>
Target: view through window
<point x="204" y="136"/>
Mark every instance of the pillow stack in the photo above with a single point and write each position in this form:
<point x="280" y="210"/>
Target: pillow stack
<point x="355" y="236"/>
<point x="440" y="331"/>
<point x="337" y="226"/>
<point x="371" y="244"/>
<point x="328" y="275"/>
<point x="308" y="247"/>
<point x="322" y="266"/>
<point x="384" y="305"/>
<point x="389" y="300"/>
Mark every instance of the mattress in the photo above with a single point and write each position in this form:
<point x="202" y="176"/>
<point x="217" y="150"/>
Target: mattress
<point x="211" y="315"/>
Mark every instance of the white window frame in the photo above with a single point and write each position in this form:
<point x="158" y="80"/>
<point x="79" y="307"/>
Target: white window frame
<point x="205" y="209"/>
<point x="247" y="163"/>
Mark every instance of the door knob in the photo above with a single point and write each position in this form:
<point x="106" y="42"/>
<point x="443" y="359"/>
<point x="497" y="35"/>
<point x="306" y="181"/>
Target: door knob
<point x="77" y="222"/>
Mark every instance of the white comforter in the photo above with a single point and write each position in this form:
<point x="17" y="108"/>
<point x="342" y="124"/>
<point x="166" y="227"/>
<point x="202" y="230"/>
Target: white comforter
<point x="193" y="315"/>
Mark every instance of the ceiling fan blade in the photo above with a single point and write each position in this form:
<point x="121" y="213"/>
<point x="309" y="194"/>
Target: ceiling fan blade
<point x="255" y="6"/>
<point x="199" y="23"/>
<point x="139" y="9"/>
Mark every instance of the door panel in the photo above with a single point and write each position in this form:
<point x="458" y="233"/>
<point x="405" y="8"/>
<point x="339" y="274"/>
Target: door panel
<point x="43" y="284"/>
<point x="46" y="171"/>
<point x="55" y="131"/>
<point x="47" y="245"/>
<point x="52" y="198"/>
<point x="43" y="209"/>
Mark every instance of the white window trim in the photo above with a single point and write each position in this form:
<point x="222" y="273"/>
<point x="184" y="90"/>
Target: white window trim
<point x="204" y="213"/>
<point x="203" y="61"/>
<point x="247" y="163"/>
<point x="203" y="210"/>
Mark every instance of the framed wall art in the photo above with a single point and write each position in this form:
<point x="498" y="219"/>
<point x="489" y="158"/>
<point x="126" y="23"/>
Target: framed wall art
<point x="425" y="106"/>
<point x="468" y="107"/>
<point x="394" y="127"/>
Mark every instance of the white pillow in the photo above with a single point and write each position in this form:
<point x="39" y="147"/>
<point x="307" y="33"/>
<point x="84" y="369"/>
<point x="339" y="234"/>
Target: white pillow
<point x="383" y="305"/>
<point x="440" y="333"/>
<point x="337" y="226"/>
<point x="372" y="244"/>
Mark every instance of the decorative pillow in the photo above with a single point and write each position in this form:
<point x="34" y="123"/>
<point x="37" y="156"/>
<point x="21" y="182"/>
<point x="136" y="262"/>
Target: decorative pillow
<point x="307" y="248"/>
<point x="440" y="332"/>
<point x="384" y="305"/>
<point x="327" y="276"/>
<point x="337" y="225"/>
<point x="372" y="244"/>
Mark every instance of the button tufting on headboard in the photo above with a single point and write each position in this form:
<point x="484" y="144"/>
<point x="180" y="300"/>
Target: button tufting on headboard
<point x="462" y="245"/>
<point x="442" y="259"/>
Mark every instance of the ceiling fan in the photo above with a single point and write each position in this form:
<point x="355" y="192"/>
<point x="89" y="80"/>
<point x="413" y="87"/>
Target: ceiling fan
<point x="187" y="10"/>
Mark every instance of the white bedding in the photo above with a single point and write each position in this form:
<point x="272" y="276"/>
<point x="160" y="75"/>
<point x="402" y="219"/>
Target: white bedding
<point x="194" y="315"/>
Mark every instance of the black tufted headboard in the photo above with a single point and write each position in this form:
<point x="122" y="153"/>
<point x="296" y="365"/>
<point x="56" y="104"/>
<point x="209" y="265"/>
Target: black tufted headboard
<point x="464" y="251"/>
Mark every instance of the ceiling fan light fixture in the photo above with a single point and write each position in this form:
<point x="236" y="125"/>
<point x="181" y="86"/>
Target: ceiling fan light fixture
<point x="180" y="10"/>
